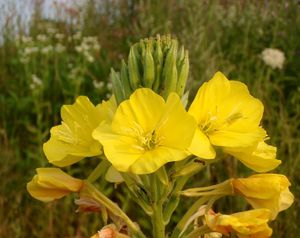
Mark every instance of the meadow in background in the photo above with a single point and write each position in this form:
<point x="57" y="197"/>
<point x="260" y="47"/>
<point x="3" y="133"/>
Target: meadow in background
<point x="51" y="61"/>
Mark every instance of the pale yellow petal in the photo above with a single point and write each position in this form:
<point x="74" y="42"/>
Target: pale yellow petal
<point x="121" y="151"/>
<point x="209" y="95"/>
<point x="201" y="146"/>
<point x="108" y="109"/>
<point x="141" y="112"/>
<point x="152" y="160"/>
<point x="72" y="140"/>
<point x="176" y="127"/>
<point x="260" y="159"/>
<point x="52" y="183"/>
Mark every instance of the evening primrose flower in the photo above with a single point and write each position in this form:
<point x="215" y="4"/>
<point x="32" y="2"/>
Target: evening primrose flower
<point x="146" y="132"/>
<point x="52" y="183"/>
<point x="265" y="191"/>
<point x="248" y="224"/>
<point x="227" y="115"/>
<point x="260" y="158"/>
<point x="72" y="140"/>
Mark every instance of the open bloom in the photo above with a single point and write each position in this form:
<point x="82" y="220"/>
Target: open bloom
<point x="72" y="140"/>
<point x="52" y="183"/>
<point x="265" y="191"/>
<point x="230" y="117"/>
<point x="248" y="224"/>
<point x="146" y="132"/>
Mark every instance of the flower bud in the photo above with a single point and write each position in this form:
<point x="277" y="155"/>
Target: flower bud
<point x="52" y="183"/>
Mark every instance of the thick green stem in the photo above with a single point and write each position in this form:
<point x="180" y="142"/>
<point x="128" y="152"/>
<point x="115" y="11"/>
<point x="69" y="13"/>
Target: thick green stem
<point x="158" y="226"/>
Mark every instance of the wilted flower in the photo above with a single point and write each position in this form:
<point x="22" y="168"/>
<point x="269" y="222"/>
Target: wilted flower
<point x="52" y="183"/>
<point x="248" y="224"/>
<point x="260" y="158"/>
<point x="265" y="191"/>
<point x="273" y="57"/>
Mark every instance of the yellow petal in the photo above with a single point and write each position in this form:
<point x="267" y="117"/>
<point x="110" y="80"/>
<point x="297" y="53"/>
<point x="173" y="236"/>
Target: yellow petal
<point x="201" y="146"/>
<point x="176" y="126"/>
<point x="152" y="160"/>
<point x="209" y="95"/>
<point x="52" y="183"/>
<point x="260" y="159"/>
<point x="146" y="132"/>
<point x="72" y="140"/>
<point x="265" y="191"/>
<point x="121" y="151"/>
<point x="227" y="113"/>
<point x="143" y="110"/>
<point x="108" y="109"/>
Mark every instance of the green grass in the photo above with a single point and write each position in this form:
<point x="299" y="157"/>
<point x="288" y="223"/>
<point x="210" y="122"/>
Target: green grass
<point x="220" y="35"/>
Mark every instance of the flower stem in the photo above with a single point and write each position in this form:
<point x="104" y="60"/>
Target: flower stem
<point x="181" y="224"/>
<point x="91" y="191"/>
<point x="99" y="170"/>
<point x="198" y="232"/>
<point x="158" y="226"/>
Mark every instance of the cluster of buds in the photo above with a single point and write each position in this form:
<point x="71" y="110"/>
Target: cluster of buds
<point x="156" y="63"/>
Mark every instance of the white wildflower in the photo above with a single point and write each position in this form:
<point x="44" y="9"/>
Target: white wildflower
<point x="59" y="36"/>
<point x="24" y="60"/>
<point x="273" y="57"/>
<point x="42" y="38"/>
<point x="30" y="50"/>
<point x="36" y="80"/>
<point x="109" y="86"/>
<point x="51" y="30"/>
<point x="59" y="48"/>
<point x="98" y="85"/>
<point x="77" y="35"/>
<point x="36" y="83"/>
<point x="89" y="57"/>
<point x="47" y="49"/>
<point x="78" y="48"/>
<point x="96" y="46"/>
<point x="26" y="39"/>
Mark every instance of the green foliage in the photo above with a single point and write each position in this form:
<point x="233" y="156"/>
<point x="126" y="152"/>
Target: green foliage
<point x="57" y="61"/>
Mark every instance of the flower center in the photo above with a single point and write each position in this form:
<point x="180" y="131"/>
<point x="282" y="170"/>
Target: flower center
<point x="150" y="140"/>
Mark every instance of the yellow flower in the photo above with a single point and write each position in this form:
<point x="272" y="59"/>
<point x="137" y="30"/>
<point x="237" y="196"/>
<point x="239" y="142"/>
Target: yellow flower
<point x="72" y="140"/>
<point x="260" y="158"/>
<point x="227" y="113"/>
<point x="146" y="132"/>
<point x="265" y="191"/>
<point x="52" y="183"/>
<point x="248" y="224"/>
<point x="230" y="117"/>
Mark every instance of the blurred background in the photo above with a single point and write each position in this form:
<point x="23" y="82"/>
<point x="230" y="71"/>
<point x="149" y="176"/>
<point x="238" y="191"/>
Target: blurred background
<point x="53" y="51"/>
